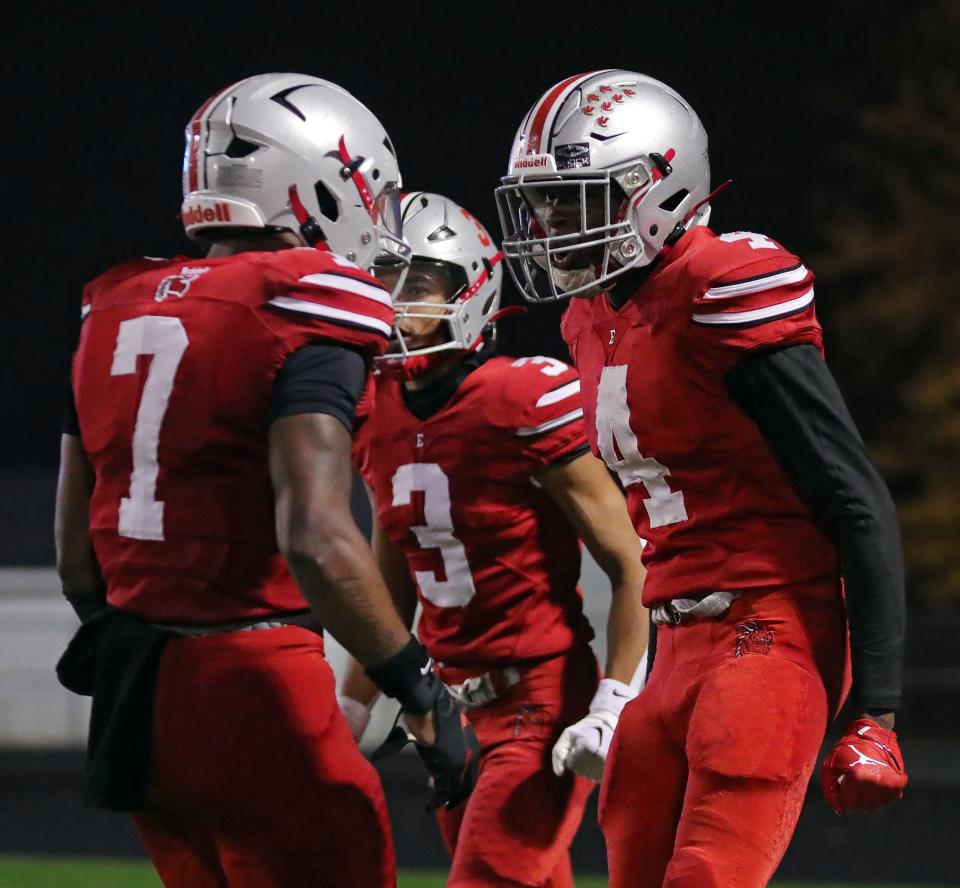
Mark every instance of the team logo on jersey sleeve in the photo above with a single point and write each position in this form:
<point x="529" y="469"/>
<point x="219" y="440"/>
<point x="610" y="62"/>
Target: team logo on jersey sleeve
<point x="177" y="285"/>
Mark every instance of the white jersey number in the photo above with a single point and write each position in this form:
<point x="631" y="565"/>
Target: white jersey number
<point x="141" y="515"/>
<point x="457" y="589"/>
<point x="618" y="444"/>
<point x="548" y="366"/>
<point x="754" y="241"/>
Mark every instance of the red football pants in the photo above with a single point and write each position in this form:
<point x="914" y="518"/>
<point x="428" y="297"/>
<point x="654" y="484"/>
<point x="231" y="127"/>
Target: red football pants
<point x="709" y="766"/>
<point x="256" y="781"/>
<point x="517" y="825"/>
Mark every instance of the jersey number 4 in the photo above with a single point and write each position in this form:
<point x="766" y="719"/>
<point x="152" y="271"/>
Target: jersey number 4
<point x="618" y="444"/>
<point x="437" y="533"/>
<point x="141" y="515"/>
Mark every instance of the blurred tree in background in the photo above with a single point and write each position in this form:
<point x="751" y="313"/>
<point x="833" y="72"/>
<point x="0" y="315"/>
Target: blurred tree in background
<point x="889" y="202"/>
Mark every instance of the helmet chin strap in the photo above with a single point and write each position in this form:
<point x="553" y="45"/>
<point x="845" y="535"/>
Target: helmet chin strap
<point x="407" y="368"/>
<point x="574" y="278"/>
<point x="310" y="229"/>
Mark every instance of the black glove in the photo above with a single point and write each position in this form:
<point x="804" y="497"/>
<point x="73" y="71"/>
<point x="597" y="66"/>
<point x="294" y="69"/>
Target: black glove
<point x="453" y="759"/>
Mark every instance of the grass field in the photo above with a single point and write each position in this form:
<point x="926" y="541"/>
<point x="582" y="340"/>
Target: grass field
<point x="68" y="872"/>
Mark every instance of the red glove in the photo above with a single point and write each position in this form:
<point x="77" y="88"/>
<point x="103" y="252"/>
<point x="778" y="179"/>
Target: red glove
<point x="865" y="770"/>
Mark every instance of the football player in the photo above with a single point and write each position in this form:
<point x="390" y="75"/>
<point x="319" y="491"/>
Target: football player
<point x="483" y="487"/>
<point x="204" y="492"/>
<point x="705" y="389"/>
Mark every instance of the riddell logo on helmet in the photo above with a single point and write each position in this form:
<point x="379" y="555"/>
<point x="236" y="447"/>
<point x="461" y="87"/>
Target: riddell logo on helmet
<point x="531" y="163"/>
<point x="196" y="215"/>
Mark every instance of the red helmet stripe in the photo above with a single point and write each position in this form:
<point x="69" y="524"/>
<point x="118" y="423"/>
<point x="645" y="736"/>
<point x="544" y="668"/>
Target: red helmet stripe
<point x="196" y="130"/>
<point x="481" y="279"/>
<point x="546" y="111"/>
<point x="358" y="180"/>
<point x="543" y="110"/>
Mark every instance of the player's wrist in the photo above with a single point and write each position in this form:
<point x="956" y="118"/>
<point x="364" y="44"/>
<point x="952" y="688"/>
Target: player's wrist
<point x="610" y="697"/>
<point x="409" y="678"/>
<point x="884" y="723"/>
<point x="886" y="720"/>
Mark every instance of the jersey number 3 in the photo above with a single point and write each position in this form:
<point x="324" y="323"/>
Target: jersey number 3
<point x="141" y="515"/>
<point x="437" y="533"/>
<point x="618" y="444"/>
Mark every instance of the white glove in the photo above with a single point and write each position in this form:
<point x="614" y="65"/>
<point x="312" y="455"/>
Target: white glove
<point x="583" y="747"/>
<point x="356" y="713"/>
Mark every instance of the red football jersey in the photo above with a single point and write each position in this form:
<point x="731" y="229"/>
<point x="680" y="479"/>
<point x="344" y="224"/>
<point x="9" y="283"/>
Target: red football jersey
<point x="173" y="380"/>
<point x="704" y="490"/>
<point x="495" y="561"/>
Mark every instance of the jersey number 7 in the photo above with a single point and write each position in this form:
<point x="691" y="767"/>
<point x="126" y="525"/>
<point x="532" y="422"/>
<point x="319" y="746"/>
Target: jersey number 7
<point x="165" y="339"/>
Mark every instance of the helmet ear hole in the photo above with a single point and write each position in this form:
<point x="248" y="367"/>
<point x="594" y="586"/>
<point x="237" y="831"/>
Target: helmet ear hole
<point x="326" y="201"/>
<point x="674" y="201"/>
<point x="240" y="148"/>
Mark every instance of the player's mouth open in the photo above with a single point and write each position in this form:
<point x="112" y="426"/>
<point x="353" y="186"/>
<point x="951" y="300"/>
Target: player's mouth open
<point x="577" y="257"/>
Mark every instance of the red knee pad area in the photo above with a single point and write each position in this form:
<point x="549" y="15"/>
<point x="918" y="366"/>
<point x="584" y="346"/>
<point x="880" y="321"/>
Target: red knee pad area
<point x="757" y="716"/>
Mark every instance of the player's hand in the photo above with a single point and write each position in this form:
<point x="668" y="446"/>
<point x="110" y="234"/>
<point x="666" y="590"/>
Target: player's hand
<point x="865" y="770"/>
<point x="583" y="747"/>
<point x="445" y="742"/>
<point x="449" y="750"/>
<point x="357" y="715"/>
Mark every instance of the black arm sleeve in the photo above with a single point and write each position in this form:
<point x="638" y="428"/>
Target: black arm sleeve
<point x="794" y="399"/>
<point x="320" y="378"/>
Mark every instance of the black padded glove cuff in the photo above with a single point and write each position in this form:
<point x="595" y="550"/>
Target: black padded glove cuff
<point x="88" y="604"/>
<point x="409" y="678"/>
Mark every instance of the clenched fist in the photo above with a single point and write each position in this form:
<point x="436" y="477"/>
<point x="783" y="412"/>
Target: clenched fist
<point x="865" y="770"/>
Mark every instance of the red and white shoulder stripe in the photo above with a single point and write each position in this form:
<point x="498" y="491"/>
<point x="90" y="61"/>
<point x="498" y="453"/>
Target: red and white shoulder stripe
<point x="336" y="291"/>
<point x="741" y="299"/>
<point x="547" y="395"/>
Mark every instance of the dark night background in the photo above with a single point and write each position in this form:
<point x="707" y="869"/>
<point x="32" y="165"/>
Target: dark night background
<point x="101" y="100"/>
<point x="839" y="122"/>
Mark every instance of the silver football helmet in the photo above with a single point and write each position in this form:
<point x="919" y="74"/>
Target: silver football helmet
<point x="294" y="152"/>
<point x="448" y="240"/>
<point x="605" y="168"/>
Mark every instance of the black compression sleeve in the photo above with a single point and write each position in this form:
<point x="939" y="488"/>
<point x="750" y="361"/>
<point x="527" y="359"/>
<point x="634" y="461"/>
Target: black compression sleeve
<point x="320" y="378"/>
<point x="71" y="422"/>
<point x="794" y="399"/>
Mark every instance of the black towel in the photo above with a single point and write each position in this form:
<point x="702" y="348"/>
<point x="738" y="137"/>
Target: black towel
<point x="114" y="658"/>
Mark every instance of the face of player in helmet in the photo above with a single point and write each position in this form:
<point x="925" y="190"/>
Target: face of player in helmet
<point x="561" y="209"/>
<point x="426" y="283"/>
